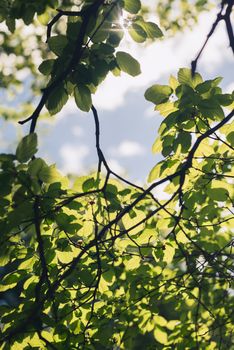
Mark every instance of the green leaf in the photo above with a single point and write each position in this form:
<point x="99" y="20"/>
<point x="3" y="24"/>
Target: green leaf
<point x="157" y="146"/>
<point x="168" y="253"/>
<point x="57" y="44"/>
<point x="63" y="221"/>
<point x="137" y="33"/>
<point x="218" y="194"/>
<point x="57" y="99"/>
<point x="26" y="148"/>
<point x="46" y="67"/>
<point x="210" y="108"/>
<point x="185" y="77"/>
<point x="230" y="138"/>
<point x="166" y="108"/>
<point x="44" y="18"/>
<point x="49" y="174"/>
<point x="10" y="22"/>
<point x="73" y="28"/>
<point x="116" y="36"/>
<point x="154" y="173"/>
<point x="151" y="29"/>
<point x="109" y="276"/>
<point x="158" y="93"/>
<point x="204" y="87"/>
<point x="101" y="68"/>
<point x="35" y="166"/>
<point x="100" y="35"/>
<point x="88" y="184"/>
<point x="132" y="6"/>
<point x="160" y="335"/>
<point x="28" y="14"/>
<point x="173" y="82"/>
<point x="82" y="75"/>
<point x="133" y="263"/>
<point x="224" y="99"/>
<point x="184" y="139"/>
<point x="83" y="97"/>
<point x="128" y="64"/>
<point x="208" y="85"/>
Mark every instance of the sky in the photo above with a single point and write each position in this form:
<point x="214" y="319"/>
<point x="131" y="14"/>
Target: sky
<point x="128" y="122"/>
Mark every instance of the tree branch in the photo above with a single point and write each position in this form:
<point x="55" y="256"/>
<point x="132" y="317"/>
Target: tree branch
<point x="219" y="17"/>
<point x="91" y="10"/>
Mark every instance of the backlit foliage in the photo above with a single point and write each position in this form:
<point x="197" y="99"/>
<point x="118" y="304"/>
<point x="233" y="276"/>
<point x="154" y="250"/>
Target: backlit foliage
<point x="99" y="262"/>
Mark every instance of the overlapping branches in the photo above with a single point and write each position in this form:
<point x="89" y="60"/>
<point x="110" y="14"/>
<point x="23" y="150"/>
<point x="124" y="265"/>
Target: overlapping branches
<point x="103" y="243"/>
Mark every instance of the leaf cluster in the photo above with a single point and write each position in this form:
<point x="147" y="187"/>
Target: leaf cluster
<point x="98" y="262"/>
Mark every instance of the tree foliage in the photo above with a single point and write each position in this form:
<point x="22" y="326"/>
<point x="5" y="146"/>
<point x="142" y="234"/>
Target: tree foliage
<point x="100" y="262"/>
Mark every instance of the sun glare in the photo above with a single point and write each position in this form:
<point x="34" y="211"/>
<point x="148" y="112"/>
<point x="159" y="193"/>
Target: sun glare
<point x="124" y="22"/>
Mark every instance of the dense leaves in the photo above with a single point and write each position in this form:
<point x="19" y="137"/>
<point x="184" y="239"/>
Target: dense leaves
<point x="96" y="262"/>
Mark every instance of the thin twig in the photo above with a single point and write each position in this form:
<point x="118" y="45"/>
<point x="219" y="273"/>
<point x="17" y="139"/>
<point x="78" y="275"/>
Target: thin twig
<point x="219" y="17"/>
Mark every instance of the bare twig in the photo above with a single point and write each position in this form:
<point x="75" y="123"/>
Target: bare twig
<point x="220" y="16"/>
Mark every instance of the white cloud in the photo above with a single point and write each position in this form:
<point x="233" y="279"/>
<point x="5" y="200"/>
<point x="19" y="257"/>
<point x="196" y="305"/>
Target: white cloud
<point x="116" y="166"/>
<point x="69" y="108"/>
<point x="150" y="112"/>
<point x="159" y="191"/>
<point x="73" y="157"/>
<point x="229" y="88"/>
<point x="77" y="131"/>
<point x="166" y="56"/>
<point x="128" y="149"/>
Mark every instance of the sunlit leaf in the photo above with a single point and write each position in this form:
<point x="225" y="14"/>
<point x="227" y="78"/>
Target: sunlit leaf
<point x="185" y="77"/>
<point x="49" y="174"/>
<point x="160" y="335"/>
<point x="151" y="29"/>
<point x="158" y="93"/>
<point x="132" y="6"/>
<point x="137" y="33"/>
<point x="26" y="148"/>
<point x="128" y="64"/>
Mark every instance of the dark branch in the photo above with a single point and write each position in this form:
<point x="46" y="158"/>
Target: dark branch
<point x="227" y="18"/>
<point x="51" y="23"/>
<point x="91" y="10"/>
<point x="44" y="275"/>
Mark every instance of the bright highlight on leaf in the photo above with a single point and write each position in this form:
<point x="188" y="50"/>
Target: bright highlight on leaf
<point x="158" y="93"/>
<point x="132" y="6"/>
<point x="185" y="77"/>
<point x="151" y="29"/>
<point x="97" y="261"/>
